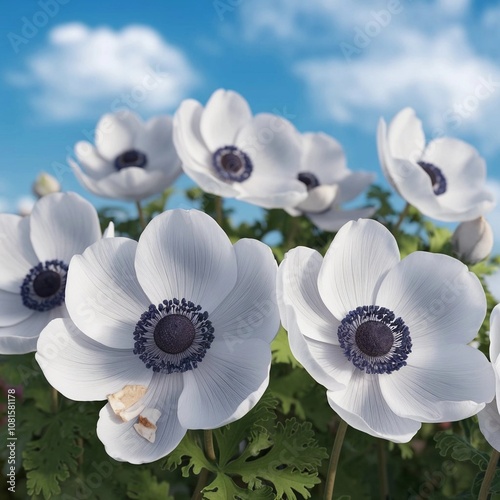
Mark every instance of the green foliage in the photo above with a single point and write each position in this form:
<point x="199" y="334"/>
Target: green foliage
<point x="281" y="349"/>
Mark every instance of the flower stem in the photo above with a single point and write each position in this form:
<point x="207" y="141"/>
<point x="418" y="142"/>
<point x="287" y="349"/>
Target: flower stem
<point x="219" y="214"/>
<point x="402" y="217"/>
<point x="334" y="460"/>
<point x="209" y="445"/>
<point x="489" y="475"/>
<point x="54" y="400"/>
<point x="208" y="440"/>
<point x="382" y="470"/>
<point x="142" y="220"/>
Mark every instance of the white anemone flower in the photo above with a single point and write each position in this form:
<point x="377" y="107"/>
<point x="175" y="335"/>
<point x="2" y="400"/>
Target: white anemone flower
<point x="131" y="160"/>
<point x="489" y="418"/>
<point x="230" y="153"/>
<point x="387" y="338"/>
<point x="329" y="183"/>
<point x="444" y="180"/>
<point x="35" y="252"/>
<point x="174" y="331"/>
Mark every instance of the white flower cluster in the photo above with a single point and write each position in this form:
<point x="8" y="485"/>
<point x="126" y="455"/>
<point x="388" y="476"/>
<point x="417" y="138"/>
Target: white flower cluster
<point x="174" y="330"/>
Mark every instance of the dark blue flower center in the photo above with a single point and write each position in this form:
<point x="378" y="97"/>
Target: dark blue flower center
<point x="173" y="337"/>
<point x="232" y="164"/>
<point x="438" y="180"/>
<point x="44" y="286"/>
<point x="374" y="340"/>
<point x="131" y="158"/>
<point x="309" y="179"/>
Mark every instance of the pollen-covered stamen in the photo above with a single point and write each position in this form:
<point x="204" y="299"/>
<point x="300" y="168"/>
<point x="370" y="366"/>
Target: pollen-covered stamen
<point x="309" y="179"/>
<point x="438" y="180"/>
<point x="374" y="340"/>
<point x="232" y="164"/>
<point x="173" y="337"/>
<point x="131" y="158"/>
<point x="44" y="286"/>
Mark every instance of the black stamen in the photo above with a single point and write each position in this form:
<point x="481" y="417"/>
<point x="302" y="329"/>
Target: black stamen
<point x="232" y="164"/>
<point x="438" y="180"/>
<point x="131" y="158"/>
<point x="309" y="179"/>
<point x="174" y="334"/>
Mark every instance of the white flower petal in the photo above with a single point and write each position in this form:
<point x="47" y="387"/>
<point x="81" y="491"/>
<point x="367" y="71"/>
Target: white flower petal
<point x="109" y="232"/>
<point x="325" y="362"/>
<point x="440" y="384"/>
<point x="62" y="225"/>
<point x="23" y="336"/>
<point x="116" y="132"/>
<point x="226" y="385"/>
<point x="437" y="297"/>
<point x="83" y="369"/>
<point x="16" y="253"/>
<point x="187" y="137"/>
<point x="155" y="140"/>
<point x="353" y="185"/>
<point x="124" y="443"/>
<point x="406" y="136"/>
<point x="224" y="115"/>
<point x="323" y="156"/>
<point x="363" y="407"/>
<point x="185" y="254"/>
<point x="91" y="162"/>
<point x="103" y="295"/>
<point x="489" y="424"/>
<point x="210" y="183"/>
<point x="384" y="154"/>
<point x="297" y="292"/>
<point x="270" y="192"/>
<point x="12" y="309"/>
<point x="249" y="310"/>
<point x="495" y="333"/>
<point x="319" y="199"/>
<point x="334" y="218"/>
<point x="359" y="257"/>
<point x="273" y="145"/>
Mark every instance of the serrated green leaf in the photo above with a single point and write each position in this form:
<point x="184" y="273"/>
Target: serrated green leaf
<point x="460" y="449"/>
<point x="290" y="390"/>
<point x="190" y="449"/>
<point x="290" y="463"/>
<point x="223" y="487"/>
<point x="143" y="485"/>
<point x="50" y="459"/>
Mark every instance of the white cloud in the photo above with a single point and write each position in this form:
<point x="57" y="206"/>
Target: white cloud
<point x="83" y="71"/>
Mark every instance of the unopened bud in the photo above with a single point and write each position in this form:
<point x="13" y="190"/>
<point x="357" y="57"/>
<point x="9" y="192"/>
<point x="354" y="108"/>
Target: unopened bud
<point x="473" y="240"/>
<point x="45" y="184"/>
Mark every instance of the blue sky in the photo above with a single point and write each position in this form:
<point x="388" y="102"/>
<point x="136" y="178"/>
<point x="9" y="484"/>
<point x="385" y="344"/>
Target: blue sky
<point x="330" y="65"/>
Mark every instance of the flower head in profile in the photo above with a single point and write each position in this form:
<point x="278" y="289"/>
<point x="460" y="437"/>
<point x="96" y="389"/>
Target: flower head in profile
<point x="444" y="179"/>
<point x="131" y="160"/>
<point x="489" y="418"/>
<point x="174" y="331"/>
<point x="387" y="338"/>
<point x="329" y="183"/>
<point x="35" y="252"/>
<point x="229" y="152"/>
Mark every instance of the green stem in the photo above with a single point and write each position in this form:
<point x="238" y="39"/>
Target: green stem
<point x="489" y="475"/>
<point x="402" y="217"/>
<point x="334" y="460"/>
<point x="142" y="220"/>
<point x="208" y="440"/>
<point x="219" y="213"/>
<point x="54" y="400"/>
<point x="382" y="470"/>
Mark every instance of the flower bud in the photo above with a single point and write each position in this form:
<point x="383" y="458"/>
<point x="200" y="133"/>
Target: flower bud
<point x="45" y="184"/>
<point x="473" y="240"/>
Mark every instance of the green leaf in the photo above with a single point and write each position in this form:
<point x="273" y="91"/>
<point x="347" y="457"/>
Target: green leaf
<point x="281" y="349"/>
<point x="290" y="463"/>
<point x="460" y="449"/>
<point x="52" y="458"/>
<point x="291" y="389"/>
<point x="191" y="450"/>
<point x="143" y="485"/>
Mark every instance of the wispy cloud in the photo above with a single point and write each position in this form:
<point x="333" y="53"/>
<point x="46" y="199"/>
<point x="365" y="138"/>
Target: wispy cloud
<point x="83" y="71"/>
